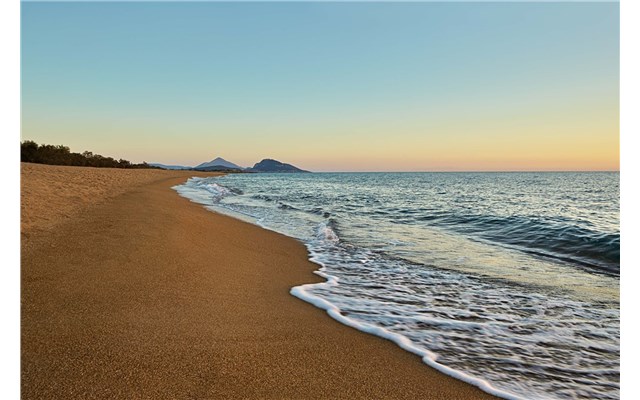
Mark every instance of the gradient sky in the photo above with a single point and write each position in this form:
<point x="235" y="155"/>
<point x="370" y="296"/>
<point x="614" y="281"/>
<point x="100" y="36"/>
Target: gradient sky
<point x="328" y="86"/>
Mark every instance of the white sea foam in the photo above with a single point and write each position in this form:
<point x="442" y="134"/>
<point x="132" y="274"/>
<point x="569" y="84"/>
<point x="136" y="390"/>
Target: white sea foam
<point x="325" y="232"/>
<point x="302" y="292"/>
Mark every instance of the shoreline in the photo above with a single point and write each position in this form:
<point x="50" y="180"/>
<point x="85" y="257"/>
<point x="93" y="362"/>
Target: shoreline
<point x="148" y="295"/>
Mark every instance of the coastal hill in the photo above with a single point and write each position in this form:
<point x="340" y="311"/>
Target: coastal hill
<point x="269" y="165"/>
<point x="222" y="165"/>
<point x="218" y="164"/>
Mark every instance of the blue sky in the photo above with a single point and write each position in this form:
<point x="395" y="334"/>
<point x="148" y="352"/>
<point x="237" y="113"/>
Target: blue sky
<point x="330" y="86"/>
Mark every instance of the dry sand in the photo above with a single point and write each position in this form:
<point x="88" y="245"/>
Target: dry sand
<point x="130" y="291"/>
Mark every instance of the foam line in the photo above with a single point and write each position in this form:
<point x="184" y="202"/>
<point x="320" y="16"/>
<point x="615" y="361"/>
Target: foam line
<point x="403" y="342"/>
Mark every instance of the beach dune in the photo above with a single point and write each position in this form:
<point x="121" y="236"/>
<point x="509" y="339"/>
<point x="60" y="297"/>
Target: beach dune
<point x="131" y="291"/>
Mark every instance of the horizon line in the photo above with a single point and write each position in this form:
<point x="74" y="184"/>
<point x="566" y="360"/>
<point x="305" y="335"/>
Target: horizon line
<point x="466" y="171"/>
<point x="321" y="1"/>
<point x="446" y="171"/>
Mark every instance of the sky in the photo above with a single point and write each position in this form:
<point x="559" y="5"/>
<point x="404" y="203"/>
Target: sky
<point x="327" y="86"/>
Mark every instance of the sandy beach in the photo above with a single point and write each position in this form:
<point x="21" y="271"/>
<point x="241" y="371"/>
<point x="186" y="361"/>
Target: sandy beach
<point x="130" y="291"/>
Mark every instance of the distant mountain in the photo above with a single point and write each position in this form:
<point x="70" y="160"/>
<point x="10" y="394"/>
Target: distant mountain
<point x="269" y="165"/>
<point x="169" y="166"/>
<point x="220" y="168"/>
<point x="219" y="164"/>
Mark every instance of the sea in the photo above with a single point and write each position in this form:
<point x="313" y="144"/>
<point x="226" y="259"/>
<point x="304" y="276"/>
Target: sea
<point x="508" y="281"/>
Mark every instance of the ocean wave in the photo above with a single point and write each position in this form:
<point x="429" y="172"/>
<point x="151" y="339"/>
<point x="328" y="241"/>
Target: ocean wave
<point x="562" y="239"/>
<point x="326" y="232"/>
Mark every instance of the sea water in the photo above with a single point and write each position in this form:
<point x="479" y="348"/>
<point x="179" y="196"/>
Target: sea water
<point x="509" y="281"/>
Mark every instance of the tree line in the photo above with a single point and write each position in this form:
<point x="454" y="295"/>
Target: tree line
<point x="32" y="152"/>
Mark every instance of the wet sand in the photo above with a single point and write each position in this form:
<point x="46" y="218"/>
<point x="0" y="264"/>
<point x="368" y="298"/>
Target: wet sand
<point x="131" y="291"/>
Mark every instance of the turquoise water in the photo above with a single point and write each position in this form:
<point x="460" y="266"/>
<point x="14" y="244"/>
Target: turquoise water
<point x="507" y="280"/>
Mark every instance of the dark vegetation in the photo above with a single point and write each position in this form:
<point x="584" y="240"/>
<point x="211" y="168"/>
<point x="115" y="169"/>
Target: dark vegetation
<point x="32" y="152"/>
